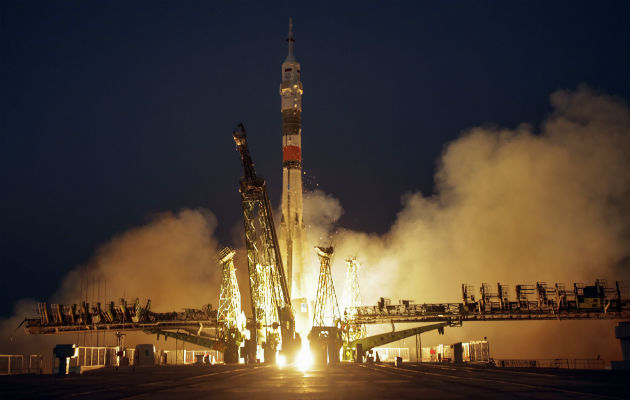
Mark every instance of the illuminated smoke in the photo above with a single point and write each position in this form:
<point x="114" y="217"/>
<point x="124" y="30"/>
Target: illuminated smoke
<point x="170" y="260"/>
<point x="511" y="206"/>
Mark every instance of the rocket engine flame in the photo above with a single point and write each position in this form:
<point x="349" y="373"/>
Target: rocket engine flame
<point x="304" y="359"/>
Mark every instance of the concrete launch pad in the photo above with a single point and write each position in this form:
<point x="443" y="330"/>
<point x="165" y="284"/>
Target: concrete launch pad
<point x="345" y="381"/>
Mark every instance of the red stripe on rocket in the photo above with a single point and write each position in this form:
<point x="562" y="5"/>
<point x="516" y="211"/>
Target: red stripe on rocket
<point x="291" y="153"/>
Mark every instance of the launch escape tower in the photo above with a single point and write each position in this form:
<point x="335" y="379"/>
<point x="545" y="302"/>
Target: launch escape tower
<point x="326" y="312"/>
<point x="291" y="224"/>
<point x="273" y="323"/>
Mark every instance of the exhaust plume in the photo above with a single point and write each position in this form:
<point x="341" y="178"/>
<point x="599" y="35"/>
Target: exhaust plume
<point x="170" y="260"/>
<point x="511" y="206"/>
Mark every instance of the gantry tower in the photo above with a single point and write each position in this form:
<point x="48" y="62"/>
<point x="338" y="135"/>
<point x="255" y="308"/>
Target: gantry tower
<point x="352" y="300"/>
<point x="230" y="297"/>
<point x="326" y="312"/>
<point x="273" y="321"/>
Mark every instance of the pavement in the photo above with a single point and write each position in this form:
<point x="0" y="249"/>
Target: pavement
<point x="344" y="381"/>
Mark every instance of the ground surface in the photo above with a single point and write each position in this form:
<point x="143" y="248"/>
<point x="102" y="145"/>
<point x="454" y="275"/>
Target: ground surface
<point x="346" y="381"/>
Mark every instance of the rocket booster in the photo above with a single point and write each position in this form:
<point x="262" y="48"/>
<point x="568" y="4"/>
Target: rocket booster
<point x="292" y="225"/>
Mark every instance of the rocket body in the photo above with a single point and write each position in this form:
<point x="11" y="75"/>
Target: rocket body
<point x="292" y="233"/>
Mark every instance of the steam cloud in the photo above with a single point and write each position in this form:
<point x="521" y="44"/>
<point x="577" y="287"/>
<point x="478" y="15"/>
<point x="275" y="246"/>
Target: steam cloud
<point x="510" y="205"/>
<point x="170" y="260"/>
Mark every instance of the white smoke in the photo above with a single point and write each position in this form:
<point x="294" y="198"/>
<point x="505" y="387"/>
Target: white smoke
<point x="170" y="260"/>
<point x="511" y="206"/>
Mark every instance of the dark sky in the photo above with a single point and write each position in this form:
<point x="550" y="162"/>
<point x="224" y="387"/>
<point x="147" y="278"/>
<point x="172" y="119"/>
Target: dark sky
<point x="112" y="111"/>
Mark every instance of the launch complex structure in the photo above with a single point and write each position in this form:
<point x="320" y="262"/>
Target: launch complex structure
<point x="282" y="316"/>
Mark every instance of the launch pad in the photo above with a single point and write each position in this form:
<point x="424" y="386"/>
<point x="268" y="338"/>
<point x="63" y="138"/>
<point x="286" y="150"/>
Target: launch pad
<point x="344" y="381"/>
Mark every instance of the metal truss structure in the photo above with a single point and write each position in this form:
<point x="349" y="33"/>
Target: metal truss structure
<point x="60" y="318"/>
<point x="326" y="311"/>
<point x="352" y="299"/>
<point x="533" y="302"/>
<point x="230" y="298"/>
<point x="367" y="343"/>
<point x="186" y="336"/>
<point x="271" y="305"/>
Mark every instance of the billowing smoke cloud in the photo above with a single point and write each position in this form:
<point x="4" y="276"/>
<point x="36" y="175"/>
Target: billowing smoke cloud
<point x="170" y="260"/>
<point x="511" y="206"/>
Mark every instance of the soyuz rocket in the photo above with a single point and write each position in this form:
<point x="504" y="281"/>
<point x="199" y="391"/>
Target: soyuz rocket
<point x="292" y="233"/>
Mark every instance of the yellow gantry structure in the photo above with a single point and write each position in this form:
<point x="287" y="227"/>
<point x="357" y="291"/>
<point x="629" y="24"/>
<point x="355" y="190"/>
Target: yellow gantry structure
<point x="326" y="312"/>
<point x="352" y="300"/>
<point x="230" y="298"/>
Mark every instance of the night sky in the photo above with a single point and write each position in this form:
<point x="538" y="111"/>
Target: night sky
<point x="113" y="111"/>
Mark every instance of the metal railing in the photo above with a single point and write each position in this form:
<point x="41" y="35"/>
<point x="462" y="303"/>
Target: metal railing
<point x="556" y="363"/>
<point x="13" y="364"/>
<point x="175" y="357"/>
<point x="94" y="356"/>
<point x="386" y="354"/>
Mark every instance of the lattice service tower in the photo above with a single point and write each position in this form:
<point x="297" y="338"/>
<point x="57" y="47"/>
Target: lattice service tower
<point x="326" y="311"/>
<point x="352" y="299"/>
<point x="292" y="225"/>
<point x="230" y="298"/>
<point x="273" y="322"/>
